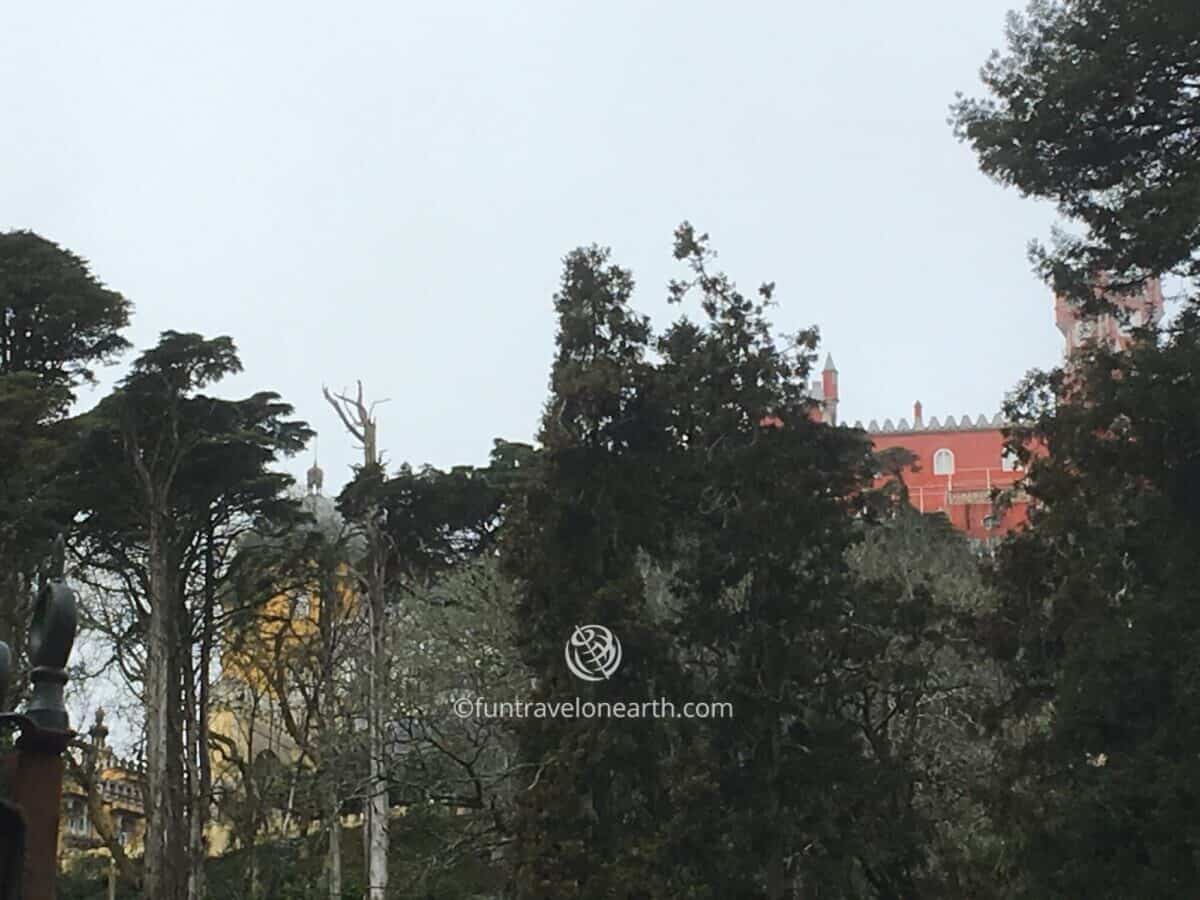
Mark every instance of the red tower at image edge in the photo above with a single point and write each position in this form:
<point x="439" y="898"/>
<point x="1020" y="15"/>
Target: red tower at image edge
<point x="961" y="462"/>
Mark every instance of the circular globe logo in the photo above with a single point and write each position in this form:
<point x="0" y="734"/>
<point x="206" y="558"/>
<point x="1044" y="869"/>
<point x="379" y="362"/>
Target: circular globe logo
<point x="593" y="653"/>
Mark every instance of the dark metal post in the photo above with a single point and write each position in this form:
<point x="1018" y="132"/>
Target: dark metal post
<point x="35" y="771"/>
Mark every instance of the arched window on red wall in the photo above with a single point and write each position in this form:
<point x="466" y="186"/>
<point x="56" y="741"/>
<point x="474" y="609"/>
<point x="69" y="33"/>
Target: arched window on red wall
<point x="943" y="462"/>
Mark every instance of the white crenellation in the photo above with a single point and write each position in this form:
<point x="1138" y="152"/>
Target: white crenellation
<point x="980" y="422"/>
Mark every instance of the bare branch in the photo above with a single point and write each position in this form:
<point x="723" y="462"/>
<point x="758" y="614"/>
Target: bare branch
<point x="355" y="431"/>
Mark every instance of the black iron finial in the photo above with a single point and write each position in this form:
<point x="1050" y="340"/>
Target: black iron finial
<point x="51" y="635"/>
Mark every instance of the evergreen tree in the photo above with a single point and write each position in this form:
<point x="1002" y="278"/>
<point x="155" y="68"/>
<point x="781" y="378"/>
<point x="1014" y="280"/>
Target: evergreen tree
<point x="700" y="509"/>
<point x="57" y="322"/>
<point x="764" y="496"/>
<point x="594" y="795"/>
<point x="920" y="695"/>
<point x="1100" y="625"/>
<point x="1094" y="107"/>
<point x="161" y="474"/>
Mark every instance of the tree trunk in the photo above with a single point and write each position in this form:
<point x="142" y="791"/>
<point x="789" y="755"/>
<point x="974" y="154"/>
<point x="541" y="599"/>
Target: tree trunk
<point x="88" y="778"/>
<point x="253" y="814"/>
<point x="192" y="772"/>
<point x="378" y="806"/>
<point x="356" y="416"/>
<point x="164" y="847"/>
<point x="327" y="612"/>
<point x="333" y="863"/>
<point x="202" y="773"/>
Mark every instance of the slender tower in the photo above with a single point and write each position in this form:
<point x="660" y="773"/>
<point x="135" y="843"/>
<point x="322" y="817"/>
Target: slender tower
<point x="316" y="476"/>
<point x="1114" y="329"/>
<point x="829" y="391"/>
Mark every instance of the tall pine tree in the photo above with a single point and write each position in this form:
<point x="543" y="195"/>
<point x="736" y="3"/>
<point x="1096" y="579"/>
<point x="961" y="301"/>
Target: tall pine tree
<point x="587" y="824"/>
<point x="57" y="322"/>
<point x="765" y="496"/>
<point x="162" y="473"/>
<point x="1094" y="106"/>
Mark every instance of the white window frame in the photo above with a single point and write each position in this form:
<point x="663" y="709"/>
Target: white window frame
<point x="939" y="468"/>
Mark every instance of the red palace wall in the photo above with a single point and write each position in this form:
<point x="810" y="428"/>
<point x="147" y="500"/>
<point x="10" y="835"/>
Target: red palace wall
<point x="964" y="493"/>
<point x="964" y="490"/>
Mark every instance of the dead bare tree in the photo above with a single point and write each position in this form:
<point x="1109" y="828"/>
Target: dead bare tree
<point x="359" y="420"/>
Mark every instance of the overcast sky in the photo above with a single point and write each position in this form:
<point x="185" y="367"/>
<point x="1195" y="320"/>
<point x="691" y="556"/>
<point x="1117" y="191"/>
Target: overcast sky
<point x="385" y="191"/>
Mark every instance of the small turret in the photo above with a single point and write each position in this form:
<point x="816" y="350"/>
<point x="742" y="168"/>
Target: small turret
<point x="316" y="477"/>
<point x="829" y="390"/>
<point x="99" y="731"/>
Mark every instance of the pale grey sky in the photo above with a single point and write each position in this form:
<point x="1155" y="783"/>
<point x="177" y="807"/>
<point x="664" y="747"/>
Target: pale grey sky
<point x="385" y="191"/>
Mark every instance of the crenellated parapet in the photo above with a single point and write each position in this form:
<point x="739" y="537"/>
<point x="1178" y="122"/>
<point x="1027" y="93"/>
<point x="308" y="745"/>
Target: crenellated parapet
<point x="980" y="422"/>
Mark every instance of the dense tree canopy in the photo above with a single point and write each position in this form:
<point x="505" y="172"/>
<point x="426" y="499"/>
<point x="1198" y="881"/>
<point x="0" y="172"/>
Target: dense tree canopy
<point x="587" y="819"/>
<point x="692" y="501"/>
<point x="56" y="320"/>
<point x="1100" y="625"/>
<point x="163" y="477"/>
<point x="1095" y="105"/>
<point x="764" y="516"/>
<point x="906" y="716"/>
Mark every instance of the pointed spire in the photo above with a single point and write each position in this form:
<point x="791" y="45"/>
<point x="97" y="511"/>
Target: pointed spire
<point x="99" y="731"/>
<point x="316" y="475"/>
<point x="829" y="391"/>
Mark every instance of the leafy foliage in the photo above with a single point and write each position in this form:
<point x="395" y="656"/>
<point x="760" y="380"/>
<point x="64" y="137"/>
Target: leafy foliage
<point x="1100" y="601"/>
<point x="697" y="507"/>
<point x="1094" y="106"/>
<point x="765" y="520"/>
<point x="165" y="478"/>
<point x="921" y="696"/>
<point x="56" y="319"/>
<point x="56" y="322"/>
<point x="587" y="820"/>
